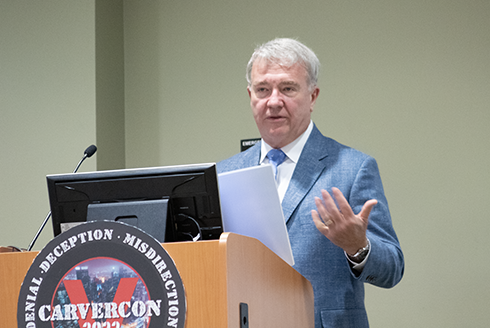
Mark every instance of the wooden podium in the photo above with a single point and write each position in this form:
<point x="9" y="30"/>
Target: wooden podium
<point x="217" y="275"/>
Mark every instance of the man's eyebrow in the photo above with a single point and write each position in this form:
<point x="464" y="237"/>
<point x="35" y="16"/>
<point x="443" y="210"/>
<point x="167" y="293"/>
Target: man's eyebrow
<point x="293" y="83"/>
<point x="288" y="82"/>
<point x="261" y="83"/>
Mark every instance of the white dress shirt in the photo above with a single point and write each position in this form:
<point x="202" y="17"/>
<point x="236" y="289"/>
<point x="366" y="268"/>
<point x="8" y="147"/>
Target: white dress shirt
<point x="286" y="169"/>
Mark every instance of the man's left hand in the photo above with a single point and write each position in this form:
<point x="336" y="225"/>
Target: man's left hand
<point x="339" y="224"/>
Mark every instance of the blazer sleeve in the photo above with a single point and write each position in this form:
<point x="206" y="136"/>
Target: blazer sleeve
<point x="385" y="265"/>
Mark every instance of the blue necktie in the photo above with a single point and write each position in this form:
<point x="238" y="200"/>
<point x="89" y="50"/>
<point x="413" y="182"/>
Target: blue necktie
<point x="276" y="157"/>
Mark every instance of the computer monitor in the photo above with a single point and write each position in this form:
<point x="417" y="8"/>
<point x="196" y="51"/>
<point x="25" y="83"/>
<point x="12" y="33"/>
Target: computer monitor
<point x="171" y="203"/>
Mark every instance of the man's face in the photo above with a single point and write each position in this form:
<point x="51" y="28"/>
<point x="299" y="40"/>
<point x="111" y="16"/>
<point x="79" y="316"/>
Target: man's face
<point x="281" y="101"/>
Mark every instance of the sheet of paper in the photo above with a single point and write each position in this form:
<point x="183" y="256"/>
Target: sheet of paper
<point x="250" y="206"/>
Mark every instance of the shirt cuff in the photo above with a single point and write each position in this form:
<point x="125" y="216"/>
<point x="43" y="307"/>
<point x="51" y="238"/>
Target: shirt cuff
<point x="359" y="266"/>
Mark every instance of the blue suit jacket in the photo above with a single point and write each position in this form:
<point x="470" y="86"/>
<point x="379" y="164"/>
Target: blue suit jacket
<point x="339" y="291"/>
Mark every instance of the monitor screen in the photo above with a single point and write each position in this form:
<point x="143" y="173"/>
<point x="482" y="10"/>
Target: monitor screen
<point x="171" y="203"/>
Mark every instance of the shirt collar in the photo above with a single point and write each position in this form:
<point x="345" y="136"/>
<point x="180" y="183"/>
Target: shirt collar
<point x="292" y="150"/>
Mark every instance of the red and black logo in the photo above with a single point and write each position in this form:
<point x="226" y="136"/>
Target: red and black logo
<point x="102" y="275"/>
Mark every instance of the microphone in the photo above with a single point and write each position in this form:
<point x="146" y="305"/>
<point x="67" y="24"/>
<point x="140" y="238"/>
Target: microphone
<point x="86" y="154"/>
<point x="90" y="150"/>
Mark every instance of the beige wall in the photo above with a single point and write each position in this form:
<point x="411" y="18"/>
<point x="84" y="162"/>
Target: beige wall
<point x="109" y="81"/>
<point x="47" y="106"/>
<point x="405" y="81"/>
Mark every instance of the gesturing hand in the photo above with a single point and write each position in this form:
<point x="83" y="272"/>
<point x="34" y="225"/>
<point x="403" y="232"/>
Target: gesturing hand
<point x="339" y="224"/>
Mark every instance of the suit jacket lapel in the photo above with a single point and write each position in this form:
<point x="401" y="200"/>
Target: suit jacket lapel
<point x="307" y="171"/>
<point x="252" y="156"/>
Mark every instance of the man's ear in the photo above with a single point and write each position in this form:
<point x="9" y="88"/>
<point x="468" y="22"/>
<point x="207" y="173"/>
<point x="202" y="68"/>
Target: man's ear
<point x="249" y="92"/>
<point x="313" y="97"/>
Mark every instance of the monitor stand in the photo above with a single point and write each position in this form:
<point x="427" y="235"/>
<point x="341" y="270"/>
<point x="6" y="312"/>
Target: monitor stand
<point x="148" y="215"/>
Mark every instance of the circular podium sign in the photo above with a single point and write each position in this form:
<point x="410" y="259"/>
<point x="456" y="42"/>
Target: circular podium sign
<point x="102" y="275"/>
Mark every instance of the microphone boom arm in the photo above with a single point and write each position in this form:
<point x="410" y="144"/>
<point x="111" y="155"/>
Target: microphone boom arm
<point x="88" y="153"/>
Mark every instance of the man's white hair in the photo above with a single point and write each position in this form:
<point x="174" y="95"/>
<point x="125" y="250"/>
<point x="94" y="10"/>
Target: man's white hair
<point x="287" y="52"/>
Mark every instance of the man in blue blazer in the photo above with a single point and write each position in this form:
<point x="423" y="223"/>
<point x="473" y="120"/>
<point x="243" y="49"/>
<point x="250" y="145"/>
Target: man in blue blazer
<point x="332" y="197"/>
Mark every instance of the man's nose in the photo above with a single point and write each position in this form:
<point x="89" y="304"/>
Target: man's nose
<point x="275" y="99"/>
